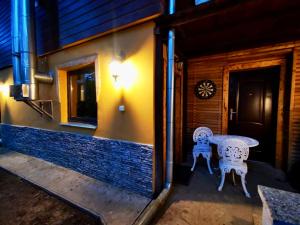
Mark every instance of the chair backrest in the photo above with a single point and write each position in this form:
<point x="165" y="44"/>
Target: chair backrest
<point x="234" y="150"/>
<point x="201" y="135"/>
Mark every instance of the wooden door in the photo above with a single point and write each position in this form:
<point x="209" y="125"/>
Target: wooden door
<point x="252" y="109"/>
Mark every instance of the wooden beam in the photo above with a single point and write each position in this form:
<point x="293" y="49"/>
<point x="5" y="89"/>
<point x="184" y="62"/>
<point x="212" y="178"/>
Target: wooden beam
<point x="182" y="17"/>
<point x="158" y="159"/>
<point x="242" y="35"/>
<point x="227" y="11"/>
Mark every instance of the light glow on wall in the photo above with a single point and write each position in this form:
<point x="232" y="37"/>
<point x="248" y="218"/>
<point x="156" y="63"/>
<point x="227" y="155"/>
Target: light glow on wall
<point x="4" y="89"/>
<point x="129" y="74"/>
<point x="123" y="73"/>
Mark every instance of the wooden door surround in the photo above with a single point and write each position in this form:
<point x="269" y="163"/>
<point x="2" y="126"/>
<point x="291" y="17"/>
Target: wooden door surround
<point x="263" y="63"/>
<point x="178" y="114"/>
<point x="213" y="112"/>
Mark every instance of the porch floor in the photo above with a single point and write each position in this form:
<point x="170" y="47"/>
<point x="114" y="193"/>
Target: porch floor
<point x="201" y="203"/>
<point x="113" y="205"/>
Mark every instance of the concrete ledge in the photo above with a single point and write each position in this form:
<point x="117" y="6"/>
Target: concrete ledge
<point x="113" y="205"/>
<point x="79" y="125"/>
<point x="279" y="207"/>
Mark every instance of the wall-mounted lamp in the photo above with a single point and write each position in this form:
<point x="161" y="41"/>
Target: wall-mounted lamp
<point x="116" y="65"/>
<point x="123" y="71"/>
<point x="115" y="69"/>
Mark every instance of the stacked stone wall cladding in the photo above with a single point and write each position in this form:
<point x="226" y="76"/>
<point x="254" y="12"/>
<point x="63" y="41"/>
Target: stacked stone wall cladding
<point x="123" y="164"/>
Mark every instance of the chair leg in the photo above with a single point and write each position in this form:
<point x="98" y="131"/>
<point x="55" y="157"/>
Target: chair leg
<point x="208" y="165"/>
<point x="222" y="180"/>
<point x="195" y="160"/>
<point x="244" y="186"/>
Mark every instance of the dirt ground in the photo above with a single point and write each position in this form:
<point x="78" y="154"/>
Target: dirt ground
<point x="24" y="204"/>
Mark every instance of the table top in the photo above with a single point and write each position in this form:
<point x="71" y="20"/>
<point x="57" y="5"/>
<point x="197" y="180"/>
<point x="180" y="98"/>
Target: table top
<point x="217" y="139"/>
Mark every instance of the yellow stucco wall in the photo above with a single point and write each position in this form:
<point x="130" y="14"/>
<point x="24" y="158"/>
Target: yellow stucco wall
<point x="135" y="124"/>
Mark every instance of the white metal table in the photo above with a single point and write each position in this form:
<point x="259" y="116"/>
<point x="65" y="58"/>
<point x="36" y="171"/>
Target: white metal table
<point x="218" y="139"/>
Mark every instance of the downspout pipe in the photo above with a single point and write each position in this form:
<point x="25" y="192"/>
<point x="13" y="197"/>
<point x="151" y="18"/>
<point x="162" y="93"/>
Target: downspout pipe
<point x="15" y="7"/>
<point x="149" y="213"/>
<point x="170" y="109"/>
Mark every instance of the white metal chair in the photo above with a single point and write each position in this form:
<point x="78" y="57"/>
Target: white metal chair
<point x="233" y="152"/>
<point x="202" y="146"/>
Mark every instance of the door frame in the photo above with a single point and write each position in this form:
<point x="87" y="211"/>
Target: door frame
<point x="258" y="64"/>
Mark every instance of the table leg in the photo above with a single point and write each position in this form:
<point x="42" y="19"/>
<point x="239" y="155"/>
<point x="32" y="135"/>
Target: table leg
<point x="233" y="178"/>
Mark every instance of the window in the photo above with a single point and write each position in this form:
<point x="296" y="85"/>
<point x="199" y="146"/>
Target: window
<point x="82" y="105"/>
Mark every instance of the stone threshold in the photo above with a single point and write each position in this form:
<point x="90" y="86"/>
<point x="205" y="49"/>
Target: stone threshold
<point x="113" y="205"/>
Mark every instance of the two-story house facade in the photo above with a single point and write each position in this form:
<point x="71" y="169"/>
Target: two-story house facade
<point x="109" y="88"/>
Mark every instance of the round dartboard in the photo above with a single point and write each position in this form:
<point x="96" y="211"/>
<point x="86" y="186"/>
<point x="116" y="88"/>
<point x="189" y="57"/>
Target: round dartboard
<point x="205" y="89"/>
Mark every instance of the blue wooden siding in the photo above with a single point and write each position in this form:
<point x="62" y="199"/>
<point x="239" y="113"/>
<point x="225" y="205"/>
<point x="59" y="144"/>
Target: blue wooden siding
<point x="63" y="22"/>
<point x="79" y="20"/>
<point x="5" y="34"/>
<point x="46" y="24"/>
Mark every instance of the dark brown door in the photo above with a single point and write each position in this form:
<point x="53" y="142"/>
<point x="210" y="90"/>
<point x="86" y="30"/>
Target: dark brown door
<point x="252" y="109"/>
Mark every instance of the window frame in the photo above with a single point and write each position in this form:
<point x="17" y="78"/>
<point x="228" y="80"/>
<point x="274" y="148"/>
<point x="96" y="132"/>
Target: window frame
<point x="80" y="119"/>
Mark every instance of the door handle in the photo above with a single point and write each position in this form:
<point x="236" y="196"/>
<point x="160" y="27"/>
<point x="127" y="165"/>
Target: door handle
<point x="231" y="113"/>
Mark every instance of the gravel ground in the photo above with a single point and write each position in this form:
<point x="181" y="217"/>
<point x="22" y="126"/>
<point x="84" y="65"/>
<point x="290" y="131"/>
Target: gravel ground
<point x="24" y="204"/>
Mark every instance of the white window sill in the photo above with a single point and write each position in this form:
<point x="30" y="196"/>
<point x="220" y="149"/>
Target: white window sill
<point x="79" y="125"/>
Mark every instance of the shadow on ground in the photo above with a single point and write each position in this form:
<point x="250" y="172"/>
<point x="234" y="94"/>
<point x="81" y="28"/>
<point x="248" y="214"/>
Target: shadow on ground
<point x="201" y="203"/>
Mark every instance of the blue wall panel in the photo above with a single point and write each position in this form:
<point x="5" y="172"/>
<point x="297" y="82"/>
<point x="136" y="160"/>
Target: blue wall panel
<point x="63" y="22"/>
<point x="107" y="23"/>
<point x="101" y="16"/>
<point x="5" y="33"/>
<point x="46" y="26"/>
